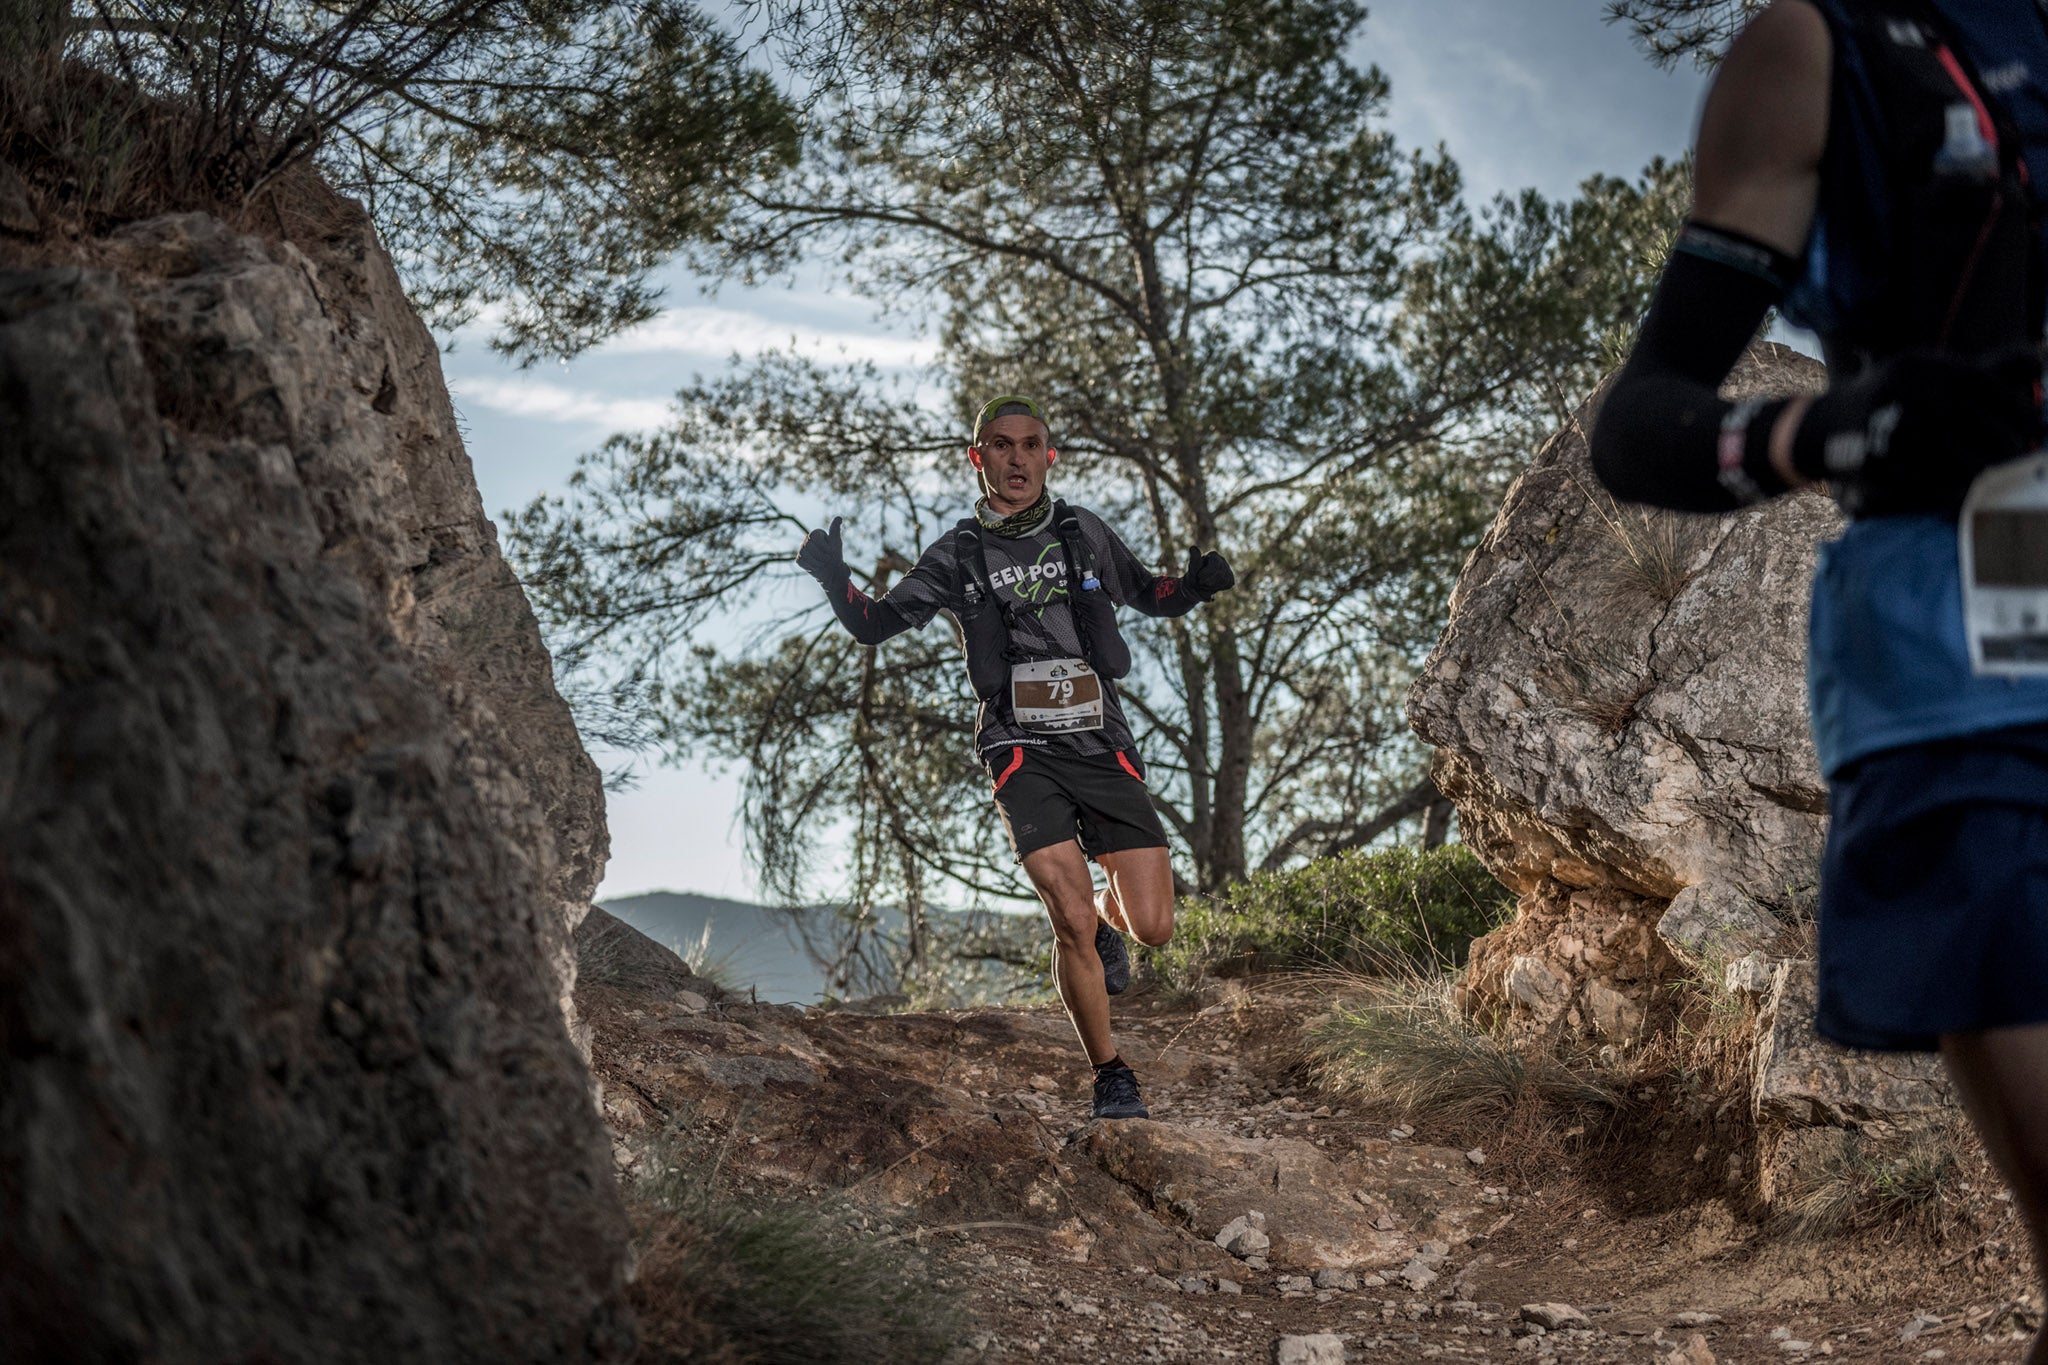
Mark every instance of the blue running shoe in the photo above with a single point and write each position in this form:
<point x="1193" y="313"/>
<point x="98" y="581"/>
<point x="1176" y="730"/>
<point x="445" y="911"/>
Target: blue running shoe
<point x="1116" y="959"/>
<point x="1116" y="1095"/>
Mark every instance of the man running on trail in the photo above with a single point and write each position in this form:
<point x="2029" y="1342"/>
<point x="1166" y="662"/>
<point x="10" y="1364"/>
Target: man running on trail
<point x="1033" y="586"/>
<point x="1876" y="169"/>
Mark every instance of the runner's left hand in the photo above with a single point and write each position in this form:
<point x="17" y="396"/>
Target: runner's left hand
<point x="1208" y="574"/>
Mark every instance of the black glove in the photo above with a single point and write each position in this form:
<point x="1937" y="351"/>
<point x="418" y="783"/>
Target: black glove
<point x="1912" y="433"/>
<point x="1207" y="574"/>
<point x="823" y="556"/>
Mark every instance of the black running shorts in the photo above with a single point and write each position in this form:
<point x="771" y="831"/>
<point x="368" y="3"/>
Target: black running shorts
<point x="1048" y="796"/>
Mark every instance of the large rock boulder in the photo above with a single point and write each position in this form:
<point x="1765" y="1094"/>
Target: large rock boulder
<point x="284" y="840"/>
<point x="1619" y="713"/>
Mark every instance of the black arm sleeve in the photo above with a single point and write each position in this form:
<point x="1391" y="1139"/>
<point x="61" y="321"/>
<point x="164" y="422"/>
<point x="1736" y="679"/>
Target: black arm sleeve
<point x="1659" y="436"/>
<point x="867" y="620"/>
<point x="1165" y="596"/>
<point x="1138" y="587"/>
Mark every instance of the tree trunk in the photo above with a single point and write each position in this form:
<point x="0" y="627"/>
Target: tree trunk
<point x="1436" y="823"/>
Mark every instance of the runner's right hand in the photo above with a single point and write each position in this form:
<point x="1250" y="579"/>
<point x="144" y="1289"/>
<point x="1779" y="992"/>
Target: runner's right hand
<point x="1208" y="574"/>
<point x="1912" y="433"/>
<point x="823" y="554"/>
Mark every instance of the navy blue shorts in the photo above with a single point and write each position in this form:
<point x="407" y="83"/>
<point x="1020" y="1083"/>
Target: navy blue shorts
<point x="1934" y="892"/>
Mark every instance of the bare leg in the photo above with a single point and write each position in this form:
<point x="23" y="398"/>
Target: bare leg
<point x="2001" y="1076"/>
<point x="1139" y="897"/>
<point x="1060" y="875"/>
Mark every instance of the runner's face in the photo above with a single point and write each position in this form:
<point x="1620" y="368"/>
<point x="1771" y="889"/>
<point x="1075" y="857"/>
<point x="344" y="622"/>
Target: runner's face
<point x="1013" y="461"/>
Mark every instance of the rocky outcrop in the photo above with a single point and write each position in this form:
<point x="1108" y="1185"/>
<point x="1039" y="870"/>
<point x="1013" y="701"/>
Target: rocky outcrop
<point x="291" y="822"/>
<point x="1619" y="709"/>
<point x="1619" y="714"/>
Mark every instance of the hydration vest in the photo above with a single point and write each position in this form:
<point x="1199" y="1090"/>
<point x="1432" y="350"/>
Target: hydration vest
<point x="986" y="615"/>
<point x="1929" y="234"/>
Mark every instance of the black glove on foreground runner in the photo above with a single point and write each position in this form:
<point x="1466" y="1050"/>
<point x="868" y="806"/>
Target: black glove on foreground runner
<point x="1912" y="433"/>
<point x="1907" y="435"/>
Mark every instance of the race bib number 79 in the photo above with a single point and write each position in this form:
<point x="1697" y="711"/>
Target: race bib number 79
<point x="1056" y="696"/>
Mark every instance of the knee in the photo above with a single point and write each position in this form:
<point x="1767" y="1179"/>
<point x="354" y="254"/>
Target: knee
<point x="1073" y="926"/>
<point x="1153" y="926"/>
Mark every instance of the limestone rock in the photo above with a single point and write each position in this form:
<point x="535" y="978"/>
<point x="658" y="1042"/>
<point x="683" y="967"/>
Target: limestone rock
<point x="1553" y="1316"/>
<point x="1209" y="1179"/>
<point x="1750" y="974"/>
<point x="1619" y="693"/>
<point x="612" y="953"/>
<point x="1417" y="1275"/>
<point x="1244" y="1236"/>
<point x="1531" y="982"/>
<point x="1582" y="962"/>
<point x="1618" y="708"/>
<point x="1612" y="1013"/>
<point x="1802" y="1079"/>
<point x="281" y="921"/>
<point x="1711" y="924"/>
<point x="1322" y="1348"/>
<point x="1694" y="1351"/>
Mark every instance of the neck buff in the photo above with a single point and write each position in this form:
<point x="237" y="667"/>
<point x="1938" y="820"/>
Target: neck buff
<point x="1018" y="524"/>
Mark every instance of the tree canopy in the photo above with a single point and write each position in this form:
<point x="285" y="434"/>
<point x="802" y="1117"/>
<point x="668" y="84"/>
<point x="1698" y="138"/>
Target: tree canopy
<point x="1257" y="324"/>
<point x="536" y="159"/>
<point x="1669" y="31"/>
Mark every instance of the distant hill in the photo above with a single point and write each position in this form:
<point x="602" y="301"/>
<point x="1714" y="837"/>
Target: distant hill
<point x="746" y="944"/>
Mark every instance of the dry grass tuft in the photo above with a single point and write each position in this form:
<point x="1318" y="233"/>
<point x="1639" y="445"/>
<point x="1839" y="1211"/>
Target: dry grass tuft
<point x="726" y="1280"/>
<point x="1401" y="1039"/>
<point x="1879" y="1178"/>
<point x="1652" y="549"/>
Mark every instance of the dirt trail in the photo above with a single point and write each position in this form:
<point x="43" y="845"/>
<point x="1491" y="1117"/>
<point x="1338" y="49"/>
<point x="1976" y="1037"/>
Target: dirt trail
<point x="965" y="1133"/>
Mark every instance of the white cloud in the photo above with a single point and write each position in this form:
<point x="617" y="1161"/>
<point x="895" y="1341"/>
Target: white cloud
<point x="553" y="403"/>
<point x="716" y="333"/>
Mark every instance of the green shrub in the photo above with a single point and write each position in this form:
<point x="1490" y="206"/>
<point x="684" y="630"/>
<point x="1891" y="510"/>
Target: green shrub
<point x="1357" y="911"/>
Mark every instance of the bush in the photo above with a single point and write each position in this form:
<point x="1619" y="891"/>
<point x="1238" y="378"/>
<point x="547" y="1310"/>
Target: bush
<point x="1360" y="910"/>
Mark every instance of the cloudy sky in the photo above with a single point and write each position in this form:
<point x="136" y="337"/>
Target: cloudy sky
<point x="1522" y="93"/>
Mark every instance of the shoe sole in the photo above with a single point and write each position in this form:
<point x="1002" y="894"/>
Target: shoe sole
<point x="1139" y="1113"/>
<point x="1115" y="979"/>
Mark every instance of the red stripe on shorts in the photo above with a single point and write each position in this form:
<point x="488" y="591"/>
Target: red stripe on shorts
<point x="1016" y="762"/>
<point x="1127" y="765"/>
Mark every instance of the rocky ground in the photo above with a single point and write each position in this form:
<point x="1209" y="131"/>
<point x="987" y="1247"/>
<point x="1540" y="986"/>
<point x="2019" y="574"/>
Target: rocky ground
<point x="1253" y="1219"/>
